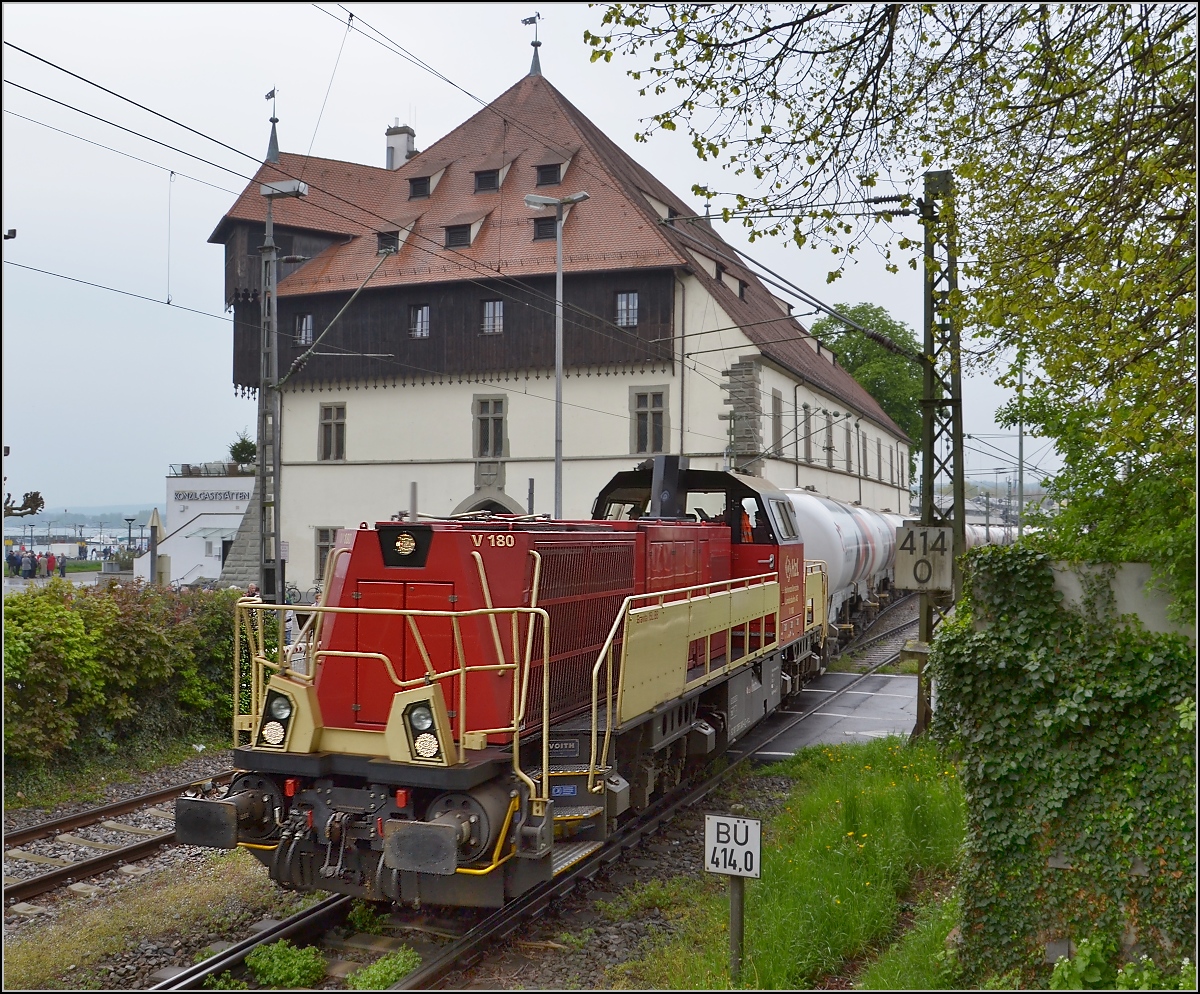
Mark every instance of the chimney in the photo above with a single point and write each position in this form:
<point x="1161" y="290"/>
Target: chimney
<point x="401" y="144"/>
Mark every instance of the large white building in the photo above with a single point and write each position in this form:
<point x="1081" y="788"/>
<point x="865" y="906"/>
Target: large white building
<point x="442" y="371"/>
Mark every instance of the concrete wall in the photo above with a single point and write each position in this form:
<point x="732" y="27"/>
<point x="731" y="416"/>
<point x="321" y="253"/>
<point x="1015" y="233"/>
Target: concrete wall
<point x="1132" y="594"/>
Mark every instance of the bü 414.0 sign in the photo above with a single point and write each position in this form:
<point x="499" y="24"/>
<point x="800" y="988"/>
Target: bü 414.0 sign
<point x="732" y="846"/>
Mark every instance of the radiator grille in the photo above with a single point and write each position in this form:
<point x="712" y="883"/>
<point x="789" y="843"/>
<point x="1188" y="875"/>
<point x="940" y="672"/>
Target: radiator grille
<point x="582" y="588"/>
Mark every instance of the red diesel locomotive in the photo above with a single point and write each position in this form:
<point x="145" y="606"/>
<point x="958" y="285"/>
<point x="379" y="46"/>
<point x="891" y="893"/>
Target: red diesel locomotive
<point x="475" y="705"/>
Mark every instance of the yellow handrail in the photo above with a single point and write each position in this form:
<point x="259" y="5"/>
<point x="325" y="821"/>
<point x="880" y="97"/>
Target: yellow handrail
<point x="249" y="621"/>
<point x="685" y="593"/>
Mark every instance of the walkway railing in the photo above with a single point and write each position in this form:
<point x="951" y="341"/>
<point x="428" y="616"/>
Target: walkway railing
<point x="300" y="661"/>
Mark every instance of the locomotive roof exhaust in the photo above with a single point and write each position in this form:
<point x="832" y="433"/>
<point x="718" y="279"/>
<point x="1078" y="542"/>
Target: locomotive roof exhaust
<point x="665" y="489"/>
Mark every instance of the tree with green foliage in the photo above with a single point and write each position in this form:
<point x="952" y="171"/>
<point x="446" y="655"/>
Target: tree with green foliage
<point x="243" y="449"/>
<point x="893" y="380"/>
<point x="1070" y="130"/>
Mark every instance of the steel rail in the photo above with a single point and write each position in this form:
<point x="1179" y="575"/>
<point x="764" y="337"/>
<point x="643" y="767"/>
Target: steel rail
<point x="43" y="882"/>
<point x="60" y="875"/>
<point x="868" y="642"/>
<point x="866" y="639"/>
<point x="52" y="827"/>
<point x="301" y="927"/>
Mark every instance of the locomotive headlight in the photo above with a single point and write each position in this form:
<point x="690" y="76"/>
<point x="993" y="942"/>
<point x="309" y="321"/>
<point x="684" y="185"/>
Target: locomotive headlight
<point x="281" y="708"/>
<point x="421" y="718"/>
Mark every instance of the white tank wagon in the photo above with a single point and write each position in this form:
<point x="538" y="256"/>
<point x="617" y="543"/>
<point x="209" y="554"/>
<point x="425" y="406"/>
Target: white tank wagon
<point x="857" y="545"/>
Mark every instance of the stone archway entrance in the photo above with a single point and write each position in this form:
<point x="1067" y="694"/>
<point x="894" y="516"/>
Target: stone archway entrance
<point x="490" y="499"/>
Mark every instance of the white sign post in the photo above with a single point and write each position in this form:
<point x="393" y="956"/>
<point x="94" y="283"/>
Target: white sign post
<point x="733" y="846"/>
<point x="924" y="557"/>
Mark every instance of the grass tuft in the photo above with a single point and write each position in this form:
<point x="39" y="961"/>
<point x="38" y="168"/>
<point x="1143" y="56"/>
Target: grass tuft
<point x="385" y="971"/>
<point x="919" y="960"/>
<point x="366" y="917"/>
<point x="859" y="823"/>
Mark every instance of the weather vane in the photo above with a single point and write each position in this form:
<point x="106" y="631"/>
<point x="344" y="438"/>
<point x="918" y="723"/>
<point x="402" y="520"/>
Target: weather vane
<point x="534" y="21"/>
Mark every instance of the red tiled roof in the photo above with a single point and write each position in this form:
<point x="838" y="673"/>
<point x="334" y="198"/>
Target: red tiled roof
<point x="343" y="197"/>
<point x="530" y="124"/>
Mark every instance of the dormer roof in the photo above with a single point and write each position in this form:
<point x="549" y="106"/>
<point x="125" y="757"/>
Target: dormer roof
<point x="618" y="228"/>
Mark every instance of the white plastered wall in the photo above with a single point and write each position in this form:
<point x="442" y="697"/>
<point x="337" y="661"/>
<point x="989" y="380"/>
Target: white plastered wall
<point x="706" y="327"/>
<point x="425" y="433"/>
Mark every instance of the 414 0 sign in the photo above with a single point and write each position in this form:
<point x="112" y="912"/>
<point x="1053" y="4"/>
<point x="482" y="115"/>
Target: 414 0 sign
<point x="924" y="557"/>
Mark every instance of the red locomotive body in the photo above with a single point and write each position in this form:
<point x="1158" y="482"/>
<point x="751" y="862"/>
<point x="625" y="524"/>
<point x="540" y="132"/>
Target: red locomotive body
<point x="583" y="572"/>
<point x="476" y="704"/>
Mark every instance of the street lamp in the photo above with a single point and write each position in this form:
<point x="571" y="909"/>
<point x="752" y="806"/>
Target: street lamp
<point x="129" y="539"/>
<point x="558" y="203"/>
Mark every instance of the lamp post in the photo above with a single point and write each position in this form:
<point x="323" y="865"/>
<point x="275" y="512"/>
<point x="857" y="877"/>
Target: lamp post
<point x="129" y="540"/>
<point x="558" y="203"/>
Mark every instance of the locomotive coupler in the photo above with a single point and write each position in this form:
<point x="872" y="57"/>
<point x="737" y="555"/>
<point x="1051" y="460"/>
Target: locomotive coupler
<point x="335" y="831"/>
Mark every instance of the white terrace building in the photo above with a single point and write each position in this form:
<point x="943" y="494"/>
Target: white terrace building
<point x="442" y="371"/>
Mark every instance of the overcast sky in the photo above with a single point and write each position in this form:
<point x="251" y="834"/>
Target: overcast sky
<point x="102" y="391"/>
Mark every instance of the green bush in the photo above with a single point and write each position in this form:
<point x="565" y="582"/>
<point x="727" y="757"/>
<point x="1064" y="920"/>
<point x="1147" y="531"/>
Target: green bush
<point x="280" y="964"/>
<point x="87" y="668"/>
<point x="1090" y="969"/>
<point x="384" y="972"/>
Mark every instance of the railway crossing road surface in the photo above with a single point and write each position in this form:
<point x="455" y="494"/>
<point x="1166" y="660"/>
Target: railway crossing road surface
<point x="877" y="706"/>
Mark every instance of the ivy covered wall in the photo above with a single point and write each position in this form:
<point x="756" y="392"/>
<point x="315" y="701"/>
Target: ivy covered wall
<point x="1078" y="765"/>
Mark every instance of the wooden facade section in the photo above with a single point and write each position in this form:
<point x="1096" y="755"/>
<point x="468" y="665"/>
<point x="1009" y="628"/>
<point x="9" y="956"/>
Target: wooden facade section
<point x="243" y="256"/>
<point x="372" y="340"/>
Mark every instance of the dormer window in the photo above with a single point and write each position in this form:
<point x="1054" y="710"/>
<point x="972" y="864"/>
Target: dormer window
<point x="550" y="175"/>
<point x="545" y="229"/>
<point x="458" y="236"/>
<point x="418" y="187"/>
<point x="487" y="180"/>
<point x="389" y="241"/>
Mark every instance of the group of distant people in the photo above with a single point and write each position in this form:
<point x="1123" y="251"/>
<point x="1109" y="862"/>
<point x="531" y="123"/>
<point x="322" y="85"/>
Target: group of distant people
<point x="30" y="565"/>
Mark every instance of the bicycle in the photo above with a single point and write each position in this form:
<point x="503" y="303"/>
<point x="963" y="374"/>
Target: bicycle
<point x="291" y="594"/>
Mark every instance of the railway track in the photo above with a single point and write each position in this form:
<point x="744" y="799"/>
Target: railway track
<point x="463" y="951"/>
<point x="88" y="843"/>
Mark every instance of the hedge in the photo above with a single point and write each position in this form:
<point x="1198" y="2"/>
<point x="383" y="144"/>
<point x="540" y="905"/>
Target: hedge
<point x="86" y="668"/>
